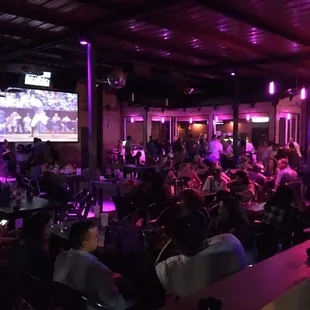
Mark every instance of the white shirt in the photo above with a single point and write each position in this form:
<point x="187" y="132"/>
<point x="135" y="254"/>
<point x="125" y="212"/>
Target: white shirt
<point x="249" y="147"/>
<point x="83" y="272"/>
<point x="286" y="175"/>
<point x="182" y="275"/>
<point x="211" y="185"/>
<point x="216" y="148"/>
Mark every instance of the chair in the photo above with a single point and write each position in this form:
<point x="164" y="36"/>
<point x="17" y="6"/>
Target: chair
<point x="80" y="206"/>
<point x="67" y="298"/>
<point x="35" y="294"/>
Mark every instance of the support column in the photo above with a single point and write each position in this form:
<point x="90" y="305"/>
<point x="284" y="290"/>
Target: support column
<point x="235" y="117"/>
<point x="92" y="115"/>
<point x="210" y="125"/>
<point x="145" y="136"/>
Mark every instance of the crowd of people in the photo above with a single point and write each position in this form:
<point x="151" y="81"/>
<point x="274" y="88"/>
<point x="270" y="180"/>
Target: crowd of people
<point x="203" y="230"/>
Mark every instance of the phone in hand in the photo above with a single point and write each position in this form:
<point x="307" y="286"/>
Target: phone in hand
<point x="3" y="222"/>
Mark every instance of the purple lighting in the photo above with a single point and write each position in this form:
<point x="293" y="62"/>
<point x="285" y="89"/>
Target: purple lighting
<point x="190" y="120"/>
<point x="83" y="42"/>
<point x="132" y="120"/>
<point x="271" y="88"/>
<point x="288" y="116"/>
<point x="248" y="117"/>
<point x="162" y="119"/>
<point x="303" y="94"/>
<point x="233" y="74"/>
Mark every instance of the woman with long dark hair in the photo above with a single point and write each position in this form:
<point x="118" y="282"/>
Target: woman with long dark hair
<point x="233" y="220"/>
<point x="271" y="168"/>
<point x="30" y="254"/>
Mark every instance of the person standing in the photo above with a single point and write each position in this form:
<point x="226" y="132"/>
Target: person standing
<point x="296" y="145"/>
<point x="5" y="158"/>
<point x="216" y="148"/>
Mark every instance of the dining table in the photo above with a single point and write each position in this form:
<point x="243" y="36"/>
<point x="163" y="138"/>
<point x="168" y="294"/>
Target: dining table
<point x="113" y="188"/>
<point x="26" y="208"/>
<point x="140" y="170"/>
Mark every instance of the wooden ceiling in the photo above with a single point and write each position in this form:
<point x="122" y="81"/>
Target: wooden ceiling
<point x="198" y="39"/>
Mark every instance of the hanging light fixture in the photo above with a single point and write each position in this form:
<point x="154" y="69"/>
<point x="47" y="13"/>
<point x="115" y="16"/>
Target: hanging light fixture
<point x="271" y="88"/>
<point x="132" y="120"/>
<point x="190" y="120"/>
<point x="303" y="94"/>
<point x="248" y="117"/>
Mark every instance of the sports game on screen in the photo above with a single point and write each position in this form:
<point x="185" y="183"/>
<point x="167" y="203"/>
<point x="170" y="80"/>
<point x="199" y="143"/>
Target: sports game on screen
<point x="29" y="113"/>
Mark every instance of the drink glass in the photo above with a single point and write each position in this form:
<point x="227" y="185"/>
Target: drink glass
<point x="101" y="238"/>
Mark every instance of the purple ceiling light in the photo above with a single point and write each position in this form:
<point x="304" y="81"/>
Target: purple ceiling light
<point x="190" y="120"/>
<point x="288" y="116"/>
<point x="248" y="117"/>
<point x="132" y="120"/>
<point x="303" y="94"/>
<point x="83" y="42"/>
<point x="271" y="88"/>
<point x="162" y="119"/>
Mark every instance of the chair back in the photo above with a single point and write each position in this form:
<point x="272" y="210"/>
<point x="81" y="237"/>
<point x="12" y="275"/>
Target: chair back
<point x="89" y="202"/>
<point x="35" y="292"/>
<point x="67" y="298"/>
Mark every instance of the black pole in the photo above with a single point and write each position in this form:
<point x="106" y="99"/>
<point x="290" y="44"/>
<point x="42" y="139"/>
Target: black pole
<point x="235" y="116"/>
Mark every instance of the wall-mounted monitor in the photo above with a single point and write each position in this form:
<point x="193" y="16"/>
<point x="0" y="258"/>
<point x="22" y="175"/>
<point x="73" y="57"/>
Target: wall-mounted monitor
<point x="43" y="80"/>
<point x="29" y="113"/>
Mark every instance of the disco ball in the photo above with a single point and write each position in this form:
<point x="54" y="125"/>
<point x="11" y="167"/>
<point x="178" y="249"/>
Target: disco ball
<point x="188" y="91"/>
<point x="117" y="79"/>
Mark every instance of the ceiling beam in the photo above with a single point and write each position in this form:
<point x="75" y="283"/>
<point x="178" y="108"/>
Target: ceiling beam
<point x="230" y="9"/>
<point x="18" y="8"/>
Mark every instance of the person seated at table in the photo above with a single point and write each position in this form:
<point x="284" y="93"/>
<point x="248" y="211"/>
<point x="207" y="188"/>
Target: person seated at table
<point x="271" y="168"/>
<point x="245" y="162"/>
<point x="153" y="195"/>
<point x="215" y="182"/>
<point x="283" y="213"/>
<point x="286" y="174"/>
<point x="54" y="185"/>
<point x="81" y="270"/>
<point x="256" y="176"/>
<point x="242" y="188"/>
<point x="185" y="171"/>
<point x="30" y="252"/>
<point x="199" y="166"/>
<point x="190" y="201"/>
<point x="232" y="219"/>
<point x="165" y="167"/>
<point x="215" y="165"/>
<point x="201" y="261"/>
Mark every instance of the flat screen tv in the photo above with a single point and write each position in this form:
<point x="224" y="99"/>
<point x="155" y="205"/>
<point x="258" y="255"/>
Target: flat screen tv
<point x="45" y="114"/>
<point x="43" y="80"/>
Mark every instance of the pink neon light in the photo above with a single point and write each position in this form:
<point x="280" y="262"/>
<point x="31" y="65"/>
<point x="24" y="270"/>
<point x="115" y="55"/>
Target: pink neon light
<point x="190" y="120"/>
<point x="216" y="118"/>
<point x="248" y="117"/>
<point x="83" y="42"/>
<point x="303" y="94"/>
<point x="271" y="88"/>
<point x="132" y="120"/>
<point x="288" y="116"/>
<point x="162" y="119"/>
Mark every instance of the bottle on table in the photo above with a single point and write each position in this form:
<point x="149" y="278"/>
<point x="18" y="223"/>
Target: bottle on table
<point x="18" y="196"/>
